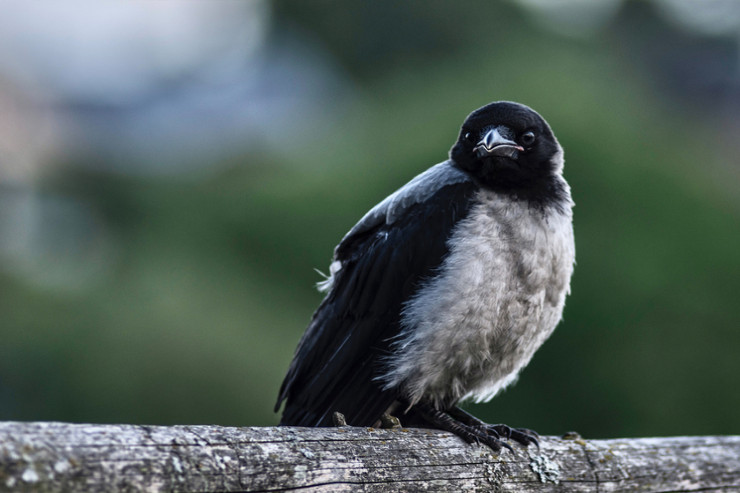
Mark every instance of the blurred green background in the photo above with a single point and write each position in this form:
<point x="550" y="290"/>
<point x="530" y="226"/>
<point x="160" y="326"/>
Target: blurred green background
<point x="171" y="173"/>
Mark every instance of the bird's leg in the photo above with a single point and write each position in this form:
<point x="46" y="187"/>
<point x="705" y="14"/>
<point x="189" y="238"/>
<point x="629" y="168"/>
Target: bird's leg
<point x="471" y="434"/>
<point x="521" y="435"/>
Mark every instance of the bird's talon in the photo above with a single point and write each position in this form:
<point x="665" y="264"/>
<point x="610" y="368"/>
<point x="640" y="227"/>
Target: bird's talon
<point x="529" y="432"/>
<point x="502" y="430"/>
<point x="489" y="431"/>
<point x="496" y="444"/>
<point x="525" y="437"/>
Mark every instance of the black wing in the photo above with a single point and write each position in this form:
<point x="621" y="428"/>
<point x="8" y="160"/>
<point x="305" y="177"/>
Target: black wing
<point x="341" y="353"/>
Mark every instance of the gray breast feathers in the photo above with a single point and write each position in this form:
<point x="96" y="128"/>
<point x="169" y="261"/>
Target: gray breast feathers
<point x="498" y="295"/>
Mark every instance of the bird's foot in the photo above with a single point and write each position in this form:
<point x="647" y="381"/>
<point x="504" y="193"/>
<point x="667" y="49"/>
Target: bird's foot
<point x="520" y="435"/>
<point x="523" y="436"/>
<point x="470" y="433"/>
<point x="473" y="430"/>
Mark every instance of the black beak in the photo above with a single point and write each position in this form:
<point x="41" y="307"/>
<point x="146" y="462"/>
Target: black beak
<point x="495" y="144"/>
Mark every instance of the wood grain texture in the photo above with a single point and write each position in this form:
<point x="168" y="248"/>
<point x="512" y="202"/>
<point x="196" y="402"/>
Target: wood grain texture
<point x="116" y="458"/>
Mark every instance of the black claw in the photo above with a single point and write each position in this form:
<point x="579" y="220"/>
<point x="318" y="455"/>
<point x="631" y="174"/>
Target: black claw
<point x="473" y="430"/>
<point x="490" y="432"/>
<point x="520" y="435"/>
<point x="467" y="436"/>
<point x="491" y="441"/>
<point x="497" y="444"/>
<point x="501" y="430"/>
<point x="529" y="432"/>
<point x="525" y="437"/>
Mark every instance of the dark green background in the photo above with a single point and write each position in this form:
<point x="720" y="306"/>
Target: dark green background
<point x="213" y="282"/>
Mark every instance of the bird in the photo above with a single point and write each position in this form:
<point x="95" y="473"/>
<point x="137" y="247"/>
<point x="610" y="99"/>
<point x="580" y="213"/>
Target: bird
<point x="444" y="290"/>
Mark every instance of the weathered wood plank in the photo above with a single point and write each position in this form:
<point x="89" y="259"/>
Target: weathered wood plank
<point x="58" y="457"/>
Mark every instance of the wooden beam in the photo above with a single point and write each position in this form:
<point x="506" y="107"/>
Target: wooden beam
<point x="57" y="457"/>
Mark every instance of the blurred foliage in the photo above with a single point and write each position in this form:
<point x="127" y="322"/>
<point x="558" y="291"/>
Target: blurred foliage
<point x="212" y="280"/>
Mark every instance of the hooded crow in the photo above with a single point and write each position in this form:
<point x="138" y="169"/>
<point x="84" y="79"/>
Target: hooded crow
<point x="444" y="290"/>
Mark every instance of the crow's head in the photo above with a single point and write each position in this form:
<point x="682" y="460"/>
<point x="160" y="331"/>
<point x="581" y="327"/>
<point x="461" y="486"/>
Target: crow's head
<point x="507" y="146"/>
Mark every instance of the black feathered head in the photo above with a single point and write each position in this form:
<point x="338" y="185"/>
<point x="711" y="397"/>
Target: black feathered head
<point x="508" y="146"/>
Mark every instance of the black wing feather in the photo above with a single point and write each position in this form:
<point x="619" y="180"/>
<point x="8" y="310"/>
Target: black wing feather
<point x="340" y="355"/>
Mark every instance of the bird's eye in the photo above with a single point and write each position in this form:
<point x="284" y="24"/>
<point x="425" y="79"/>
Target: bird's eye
<point x="527" y="138"/>
<point x="470" y="137"/>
